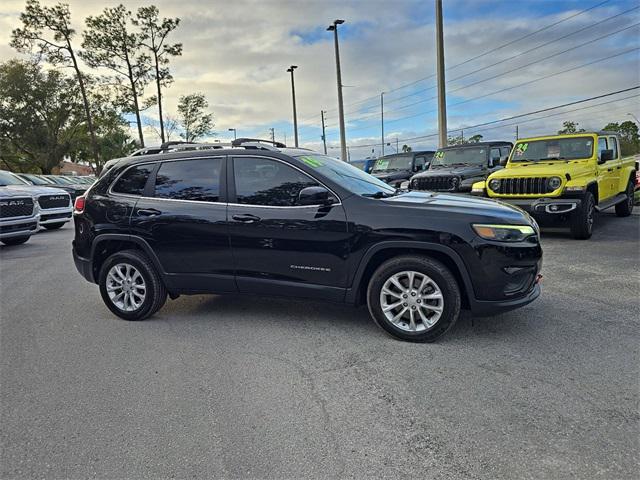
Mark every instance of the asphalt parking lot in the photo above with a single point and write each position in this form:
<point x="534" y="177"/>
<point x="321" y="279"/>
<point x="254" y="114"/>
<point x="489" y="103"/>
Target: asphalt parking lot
<point x="240" y="387"/>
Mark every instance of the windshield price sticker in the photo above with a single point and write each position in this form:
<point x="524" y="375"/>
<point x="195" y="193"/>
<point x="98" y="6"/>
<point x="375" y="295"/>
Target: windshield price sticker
<point x="382" y="164"/>
<point x="312" y="161"/>
<point x="439" y="155"/>
<point x="521" y="148"/>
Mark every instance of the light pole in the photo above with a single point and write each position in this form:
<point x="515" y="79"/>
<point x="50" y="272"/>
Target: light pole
<point x="293" y="94"/>
<point x="442" y="100"/>
<point x="382" y="119"/>
<point x="324" y="135"/>
<point x="343" y="140"/>
<point x="235" y="136"/>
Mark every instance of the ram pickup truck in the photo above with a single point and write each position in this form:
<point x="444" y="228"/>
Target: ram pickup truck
<point x="563" y="180"/>
<point x="19" y="215"/>
<point x="457" y="168"/>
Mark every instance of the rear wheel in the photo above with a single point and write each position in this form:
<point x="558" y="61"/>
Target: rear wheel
<point x="624" y="209"/>
<point x="583" y="219"/>
<point x="15" y="240"/>
<point x="414" y="298"/>
<point x="53" y="226"/>
<point x="130" y="285"/>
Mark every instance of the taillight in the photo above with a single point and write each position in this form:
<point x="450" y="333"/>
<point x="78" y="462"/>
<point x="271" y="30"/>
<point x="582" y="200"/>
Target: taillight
<point x="78" y="206"/>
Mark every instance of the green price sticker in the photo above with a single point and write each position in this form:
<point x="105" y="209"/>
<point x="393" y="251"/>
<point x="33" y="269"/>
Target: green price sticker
<point x="312" y="162"/>
<point x="521" y="148"/>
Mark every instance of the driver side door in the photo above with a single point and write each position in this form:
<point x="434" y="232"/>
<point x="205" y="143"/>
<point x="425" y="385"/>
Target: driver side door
<point x="606" y="173"/>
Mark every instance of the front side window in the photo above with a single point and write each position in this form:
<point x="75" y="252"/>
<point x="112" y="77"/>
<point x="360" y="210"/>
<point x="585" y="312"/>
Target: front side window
<point x="260" y="181"/>
<point x="495" y="154"/>
<point x="133" y="181"/>
<point x="195" y="180"/>
<point x="602" y="145"/>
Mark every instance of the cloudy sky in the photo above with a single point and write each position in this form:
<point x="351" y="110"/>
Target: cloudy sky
<point x="237" y="52"/>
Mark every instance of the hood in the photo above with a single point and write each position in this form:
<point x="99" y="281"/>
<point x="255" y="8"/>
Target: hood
<point x="559" y="168"/>
<point x="37" y="190"/>
<point x="483" y="209"/>
<point x="458" y="171"/>
<point x="15" y="191"/>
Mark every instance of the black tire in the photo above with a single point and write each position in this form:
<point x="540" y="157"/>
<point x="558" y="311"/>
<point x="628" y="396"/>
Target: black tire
<point x="15" y="240"/>
<point x="624" y="209"/>
<point x="53" y="226"/>
<point x="583" y="218"/>
<point x="155" y="295"/>
<point x="438" y="273"/>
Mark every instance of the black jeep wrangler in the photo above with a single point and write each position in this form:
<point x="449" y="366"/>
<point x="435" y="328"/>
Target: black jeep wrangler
<point x="457" y="168"/>
<point x="398" y="168"/>
<point x="256" y="218"/>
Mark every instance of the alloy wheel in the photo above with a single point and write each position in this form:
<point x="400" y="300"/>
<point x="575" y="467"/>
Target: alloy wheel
<point x="126" y="287"/>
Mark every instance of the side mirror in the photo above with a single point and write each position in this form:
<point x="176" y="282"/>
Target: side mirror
<point x="315" y="196"/>
<point x="492" y="162"/>
<point x="606" y="155"/>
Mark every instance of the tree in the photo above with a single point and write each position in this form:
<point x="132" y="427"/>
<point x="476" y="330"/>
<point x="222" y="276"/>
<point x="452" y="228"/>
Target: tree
<point x="475" y="138"/>
<point x="109" y="43"/>
<point x="40" y="116"/>
<point x="194" y="121"/>
<point x="455" y="140"/>
<point x="629" y="138"/>
<point x="47" y="32"/>
<point x="570" y="127"/>
<point x="154" y="33"/>
<point x="406" y="148"/>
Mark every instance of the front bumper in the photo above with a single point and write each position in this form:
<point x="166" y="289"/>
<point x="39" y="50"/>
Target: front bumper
<point x="55" y="215"/>
<point x="544" y="206"/>
<point x="19" y="227"/>
<point x="485" y="308"/>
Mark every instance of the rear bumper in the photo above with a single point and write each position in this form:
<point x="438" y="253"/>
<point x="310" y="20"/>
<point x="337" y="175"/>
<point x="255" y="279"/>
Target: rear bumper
<point x="83" y="265"/>
<point x="484" y="308"/>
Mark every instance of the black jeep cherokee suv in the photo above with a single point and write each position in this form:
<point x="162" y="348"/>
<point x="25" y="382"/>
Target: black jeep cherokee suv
<point x="457" y="168"/>
<point x="264" y="220"/>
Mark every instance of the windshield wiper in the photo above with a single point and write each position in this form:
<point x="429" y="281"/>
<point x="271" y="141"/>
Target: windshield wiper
<point x="380" y="194"/>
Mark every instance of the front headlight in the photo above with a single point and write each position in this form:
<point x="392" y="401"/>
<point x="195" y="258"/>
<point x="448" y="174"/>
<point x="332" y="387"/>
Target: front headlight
<point x="554" y="183"/>
<point x="494" y="184"/>
<point x="504" y="233"/>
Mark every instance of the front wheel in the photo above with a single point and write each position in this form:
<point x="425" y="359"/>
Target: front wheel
<point x="15" y="240"/>
<point x="583" y="218"/>
<point x="414" y="298"/>
<point x="130" y="285"/>
<point x="624" y="209"/>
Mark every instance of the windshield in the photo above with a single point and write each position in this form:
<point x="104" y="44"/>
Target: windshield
<point x="553" y="149"/>
<point x="346" y="175"/>
<point x="61" y="180"/>
<point x="460" y="156"/>
<point x="36" y="180"/>
<point x="393" y="162"/>
<point x="8" y="178"/>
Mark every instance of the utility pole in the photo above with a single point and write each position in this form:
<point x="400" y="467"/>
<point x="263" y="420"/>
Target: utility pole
<point x="293" y="94"/>
<point x="517" y="133"/>
<point x="442" y="99"/>
<point x="285" y="138"/>
<point x="234" y="133"/>
<point x="382" y="119"/>
<point x="343" y="139"/>
<point x="397" y="145"/>
<point x="324" y="135"/>
<point x="462" y="135"/>
<point x="273" y="135"/>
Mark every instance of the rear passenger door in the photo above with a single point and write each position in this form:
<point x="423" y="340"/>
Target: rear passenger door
<point x="183" y="217"/>
<point x="279" y="246"/>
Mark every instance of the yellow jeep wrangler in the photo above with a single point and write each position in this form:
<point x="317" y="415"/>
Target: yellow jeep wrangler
<point x="562" y="180"/>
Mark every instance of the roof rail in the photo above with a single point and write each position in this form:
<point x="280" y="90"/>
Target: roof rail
<point x="239" y="142"/>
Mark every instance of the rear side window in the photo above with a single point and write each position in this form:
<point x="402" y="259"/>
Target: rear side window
<point x="613" y="145"/>
<point x="132" y="182"/>
<point x="260" y="181"/>
<point x="196" y="180"/>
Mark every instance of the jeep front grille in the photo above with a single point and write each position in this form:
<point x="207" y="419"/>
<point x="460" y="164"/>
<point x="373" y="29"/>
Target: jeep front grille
<point x="524" y="186"/>
<point x="435" y="183"/>
<point x="54" y="201"/>
<point x="16" y="207"/>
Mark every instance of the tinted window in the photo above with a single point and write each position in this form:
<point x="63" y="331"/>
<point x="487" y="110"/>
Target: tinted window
<point x="504" y="151"/>
<point x="132" y="182"/>
<point x="613" y="145"/>
<point x="602" y="145"/>
<point x="495" y="153"/>
<point x="260" y="181"/>
<point x="197" y="180"/>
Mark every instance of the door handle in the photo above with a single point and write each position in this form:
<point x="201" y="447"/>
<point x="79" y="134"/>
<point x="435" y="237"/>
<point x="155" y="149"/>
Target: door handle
<point x="148" y="212"/>
<point x="246" y="218"/>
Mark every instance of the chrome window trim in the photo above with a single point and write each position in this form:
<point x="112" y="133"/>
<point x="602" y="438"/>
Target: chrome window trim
<point x="284" y="206"/>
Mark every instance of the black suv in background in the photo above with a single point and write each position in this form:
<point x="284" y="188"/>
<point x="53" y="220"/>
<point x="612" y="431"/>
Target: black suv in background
<point x="397" y="168"/>
<point x="257" y="219"/>
<point x="457" y="168"/>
